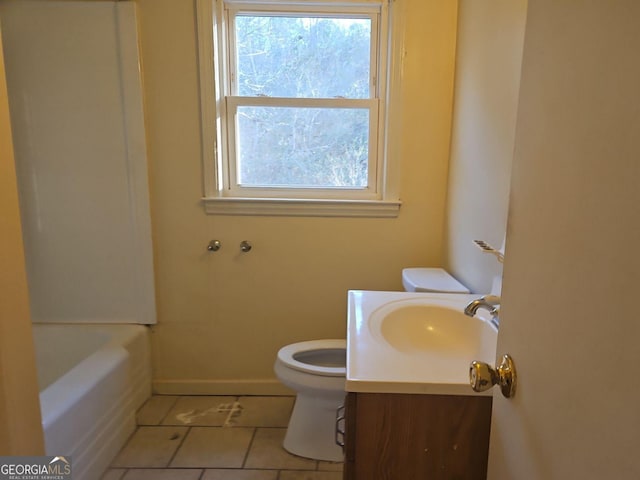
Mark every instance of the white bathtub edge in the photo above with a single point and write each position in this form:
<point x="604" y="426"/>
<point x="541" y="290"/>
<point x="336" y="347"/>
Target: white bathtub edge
<point x="89" y="412"/>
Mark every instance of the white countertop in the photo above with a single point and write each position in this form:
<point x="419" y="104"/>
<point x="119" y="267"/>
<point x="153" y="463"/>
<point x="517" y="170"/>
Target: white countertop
<point x="382" y="358"/>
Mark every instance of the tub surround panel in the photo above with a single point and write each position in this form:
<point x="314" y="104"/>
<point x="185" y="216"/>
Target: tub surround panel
<point x="81" y="159"/>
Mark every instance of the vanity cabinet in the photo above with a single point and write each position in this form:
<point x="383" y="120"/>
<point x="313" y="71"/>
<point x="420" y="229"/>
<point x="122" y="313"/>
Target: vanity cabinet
<point x="391" y="436"/>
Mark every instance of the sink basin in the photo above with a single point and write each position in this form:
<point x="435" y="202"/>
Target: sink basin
<point x="428" y="328"/>
<point x="407" y="342"/>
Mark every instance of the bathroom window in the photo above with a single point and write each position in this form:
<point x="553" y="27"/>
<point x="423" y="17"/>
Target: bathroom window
<point x="294" y="101"/>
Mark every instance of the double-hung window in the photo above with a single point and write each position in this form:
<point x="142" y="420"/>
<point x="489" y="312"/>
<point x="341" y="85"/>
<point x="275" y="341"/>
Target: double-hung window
<point x="294" y="106"/>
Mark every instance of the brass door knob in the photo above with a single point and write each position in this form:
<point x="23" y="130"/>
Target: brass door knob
<point x="483" y="376"/>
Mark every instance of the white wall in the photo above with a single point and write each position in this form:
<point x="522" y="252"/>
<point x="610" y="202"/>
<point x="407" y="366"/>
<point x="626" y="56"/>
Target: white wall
<point x="223" y="316"/>
<point x="489" y="57"/>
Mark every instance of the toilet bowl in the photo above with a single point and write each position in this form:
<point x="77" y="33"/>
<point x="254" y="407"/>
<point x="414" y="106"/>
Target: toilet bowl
<point x="316" y="371"/>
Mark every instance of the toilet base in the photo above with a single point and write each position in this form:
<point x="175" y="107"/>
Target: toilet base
<point x="311" y="431"/>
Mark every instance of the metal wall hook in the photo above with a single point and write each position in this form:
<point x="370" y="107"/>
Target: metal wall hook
<point x="245" y="246"/>
<point x="214" y="245"/>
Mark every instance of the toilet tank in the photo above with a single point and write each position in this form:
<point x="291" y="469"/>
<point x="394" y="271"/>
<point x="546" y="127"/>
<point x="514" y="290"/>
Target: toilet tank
<point x="431" y="280"/>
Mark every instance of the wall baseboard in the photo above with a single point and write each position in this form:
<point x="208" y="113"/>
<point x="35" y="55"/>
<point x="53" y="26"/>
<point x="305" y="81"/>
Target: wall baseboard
<point x="220" y="387"/>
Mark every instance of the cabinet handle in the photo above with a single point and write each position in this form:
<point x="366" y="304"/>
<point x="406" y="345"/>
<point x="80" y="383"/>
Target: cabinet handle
<point x="339" y="428"/>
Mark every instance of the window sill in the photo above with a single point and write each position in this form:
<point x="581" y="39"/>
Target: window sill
<point x="301" y="207"/>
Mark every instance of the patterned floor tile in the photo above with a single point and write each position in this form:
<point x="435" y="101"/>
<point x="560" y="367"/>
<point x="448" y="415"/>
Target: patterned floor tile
<point x="113" y="474"/>
<point x="240" y="475"/>
<point x="209" y="447"/>
<point x="156" y="408"/>
<point x="202" y="411"/>
<point x="298" y="475"/>
<point x="264" y="411"/>
<point x="267" y="452"/>
<point x="163" y="474"/>
<point x="150" y="447"/>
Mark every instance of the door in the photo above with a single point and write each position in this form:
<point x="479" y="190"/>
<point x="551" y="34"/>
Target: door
<point x="570" y="318"/>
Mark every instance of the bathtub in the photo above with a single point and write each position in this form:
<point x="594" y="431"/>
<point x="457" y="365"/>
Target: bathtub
<point x="92" y="380"/>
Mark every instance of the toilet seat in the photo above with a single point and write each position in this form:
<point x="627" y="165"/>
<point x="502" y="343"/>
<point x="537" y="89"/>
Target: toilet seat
<point x="290" y="355"/>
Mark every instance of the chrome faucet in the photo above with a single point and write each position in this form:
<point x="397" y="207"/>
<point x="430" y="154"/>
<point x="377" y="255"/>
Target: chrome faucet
<point x="488" y="302"/>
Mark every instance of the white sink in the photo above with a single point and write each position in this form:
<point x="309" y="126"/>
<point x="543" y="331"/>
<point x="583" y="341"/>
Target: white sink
<point x="419" y="328"/>
<point x="405" y="342"/>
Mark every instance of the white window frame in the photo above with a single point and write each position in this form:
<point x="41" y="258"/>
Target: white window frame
<point x="219" y="103"/>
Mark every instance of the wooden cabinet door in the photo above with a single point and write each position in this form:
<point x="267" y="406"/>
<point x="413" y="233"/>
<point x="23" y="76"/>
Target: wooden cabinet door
<point x="405" y="437"/>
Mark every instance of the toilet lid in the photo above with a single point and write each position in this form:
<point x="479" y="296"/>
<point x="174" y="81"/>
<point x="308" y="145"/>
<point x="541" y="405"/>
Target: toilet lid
<point x="431" y="280"/>
<point x="318" y="357"/>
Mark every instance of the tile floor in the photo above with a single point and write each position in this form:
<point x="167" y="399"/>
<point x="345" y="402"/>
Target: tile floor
<point x="214" y="438"/>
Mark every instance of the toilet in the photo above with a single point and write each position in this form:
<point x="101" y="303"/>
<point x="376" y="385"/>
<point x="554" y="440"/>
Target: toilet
<point x="316" y="371"/>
